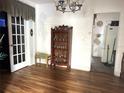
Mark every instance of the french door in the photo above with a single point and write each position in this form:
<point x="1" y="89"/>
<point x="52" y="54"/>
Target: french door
<point x="17" y="43"/>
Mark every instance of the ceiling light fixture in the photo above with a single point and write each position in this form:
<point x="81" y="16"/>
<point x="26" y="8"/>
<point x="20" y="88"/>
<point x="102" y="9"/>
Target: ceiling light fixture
<point x="69" y="5"/>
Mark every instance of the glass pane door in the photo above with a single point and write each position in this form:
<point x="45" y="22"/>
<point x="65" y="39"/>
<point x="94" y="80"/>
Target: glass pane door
<point x="18" y="43"/>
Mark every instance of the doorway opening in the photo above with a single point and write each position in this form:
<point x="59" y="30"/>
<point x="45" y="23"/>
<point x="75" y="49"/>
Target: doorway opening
<point x="4" y="43"/>
<point x="104" y="41"/>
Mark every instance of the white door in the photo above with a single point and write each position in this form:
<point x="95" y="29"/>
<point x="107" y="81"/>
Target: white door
<point x="17" y="43"/>
<point x="30" y="40"/>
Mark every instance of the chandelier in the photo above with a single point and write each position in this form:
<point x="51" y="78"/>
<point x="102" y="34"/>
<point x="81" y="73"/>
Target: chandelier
<point x="68" y="5"/>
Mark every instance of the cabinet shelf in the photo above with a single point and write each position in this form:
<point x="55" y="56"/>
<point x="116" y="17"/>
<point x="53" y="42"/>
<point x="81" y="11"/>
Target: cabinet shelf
<point x="61" y="49"/>
<point x="61" y="41"/>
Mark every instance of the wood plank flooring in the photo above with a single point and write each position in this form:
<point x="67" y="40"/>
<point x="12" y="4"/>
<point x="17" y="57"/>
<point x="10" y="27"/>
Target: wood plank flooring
<point x="98" y="66"/>
<point x="39" y="79"/>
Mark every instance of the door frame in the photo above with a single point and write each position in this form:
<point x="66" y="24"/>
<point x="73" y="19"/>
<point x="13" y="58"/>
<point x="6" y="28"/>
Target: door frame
<point x="94" y="16"/>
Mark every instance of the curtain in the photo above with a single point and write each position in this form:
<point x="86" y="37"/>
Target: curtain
<point x="17" y="8"/>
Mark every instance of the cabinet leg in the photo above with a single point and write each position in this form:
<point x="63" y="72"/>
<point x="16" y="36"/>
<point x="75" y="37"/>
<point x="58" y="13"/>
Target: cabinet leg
<point x="68" y="68"/>
<point x="36" y="61"/>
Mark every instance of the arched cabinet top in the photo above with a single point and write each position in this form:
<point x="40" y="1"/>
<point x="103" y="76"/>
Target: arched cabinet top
<point x="62" y="28"/>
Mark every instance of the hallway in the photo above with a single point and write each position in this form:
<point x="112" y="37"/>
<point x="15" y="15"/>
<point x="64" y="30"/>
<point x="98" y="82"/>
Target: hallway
<point x="98" y="66"/>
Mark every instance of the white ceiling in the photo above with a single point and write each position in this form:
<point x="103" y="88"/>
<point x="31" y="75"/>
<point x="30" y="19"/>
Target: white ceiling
<point x="41" y="1"/>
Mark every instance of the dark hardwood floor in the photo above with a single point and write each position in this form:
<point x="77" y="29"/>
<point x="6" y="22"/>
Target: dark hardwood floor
<point x="39" y="79"/>
<point x="98" y="66"/>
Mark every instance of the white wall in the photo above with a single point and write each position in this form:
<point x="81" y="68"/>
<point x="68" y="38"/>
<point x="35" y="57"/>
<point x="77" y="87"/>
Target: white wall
<point x="47" y="17"/>
<point x="28" y="2"/>
<point x="103" y="6"/>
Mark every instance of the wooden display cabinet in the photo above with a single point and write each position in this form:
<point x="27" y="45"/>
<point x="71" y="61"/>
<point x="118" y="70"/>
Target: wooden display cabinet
<point x="61" y="42"/>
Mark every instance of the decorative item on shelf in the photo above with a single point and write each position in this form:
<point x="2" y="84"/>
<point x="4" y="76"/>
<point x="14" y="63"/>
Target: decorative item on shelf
<point x="99" y="23"/>
<point x="98" y="35"/>
<point x="69" y="5"/>
<point x="97" y="41"/>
